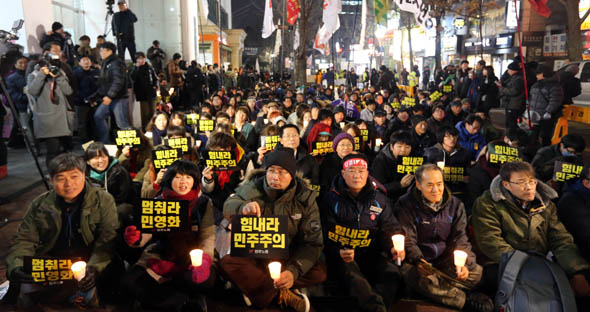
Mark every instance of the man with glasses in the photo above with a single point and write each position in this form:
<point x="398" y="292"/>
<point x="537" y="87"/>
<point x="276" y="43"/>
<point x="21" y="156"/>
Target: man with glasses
<point x="275" y="191"/>
<point x="517" y="213"/>
<point x="358" y="202"/>
<point x="434" y="222"/>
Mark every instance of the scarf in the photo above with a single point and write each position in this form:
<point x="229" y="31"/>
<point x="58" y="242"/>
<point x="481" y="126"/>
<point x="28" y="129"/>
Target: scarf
<point x="192" y="197"/>
<point x="157" y="135"/>
<point x="100" y="176"/>
<point x="224" y="176"/>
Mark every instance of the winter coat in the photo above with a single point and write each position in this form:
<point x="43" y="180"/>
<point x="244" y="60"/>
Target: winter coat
<point x="367" y="115"/>
<point x="87" y="84"/>
<point x="174" y="74"/>
<point x="420" y="143"/>
<point x="434" y="125"/>
<point x="329" y="170"/>
<point x="51" y="120"/>
<point x="544" y="157"/>
<point x="512" y="92"/>
<point x="116" y="181"/>
<point x="384" y="170"/>
<point x="244" y="82"/>
<point x="123" y="25"/>
<point x="452" y="119"/>
<point x="546" y="96"/>
<point x="212" y="82"/>
<point x="480" y="177"/>
<point x="387" y="81"/>
<point x="488" y="94"/>
<point x="145" y="82"/>
<point x="459" y="157"/>
<point x="433" y="234"/>
<point x="571" y="87"/>
<point x="15" y="83"/>
<point x="573" y="210"/>
<point x="42" y="224"/>
<point x="500" y="226"/>
<point x="370" y="210"/>
<point x="473" y="143"/>
<point x="299" y="204"/>
<point x="112" y="81"/>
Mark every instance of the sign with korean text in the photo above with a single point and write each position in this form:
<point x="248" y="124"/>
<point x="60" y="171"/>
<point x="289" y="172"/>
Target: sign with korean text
<point x="453" y="174"/>
<point x="357" y="143"/>
<point x="365" y="135"/>
<point x="164" y="158"/>
<point x="447" y="88"/>
<point x="566" y="171"/>
<point x="48" y="270"/>
<point x="500" y="154"/>
<point x="206" y="125"/>
<point x="183" y="144"/>
<point x="270" y="141"/>
<point x="396" y="105"/>
<point x="220" y="160"/>
<point x="192" y="119"/>
<point x="407" y="164"/>
<point x="128" y="137"/>
<point x="322" y="148"/>
<point x="315" y="188"/>
<point x="260" y="237"/>
<point x="408" y="101"/>
<point x="349" y="237"/>
<point x="162" y="215"/>
<point x="435" y="95"/>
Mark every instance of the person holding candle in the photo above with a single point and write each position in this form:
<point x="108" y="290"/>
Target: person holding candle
<point x="73" y="220"/>
<point x="384" y="167"/>
<point x="357" y="201"/>
<point x="164" y="277"/>
<point x="517" y="213"/>
<point x="276" y="190"/>
<point x="434" y="222"/>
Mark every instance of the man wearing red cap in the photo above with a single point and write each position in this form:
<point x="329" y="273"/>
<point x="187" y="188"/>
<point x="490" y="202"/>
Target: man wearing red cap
<point x="359" y="223"/>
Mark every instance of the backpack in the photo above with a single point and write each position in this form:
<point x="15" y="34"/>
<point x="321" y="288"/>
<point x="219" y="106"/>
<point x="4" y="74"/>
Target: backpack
<point x="532" y="283"/>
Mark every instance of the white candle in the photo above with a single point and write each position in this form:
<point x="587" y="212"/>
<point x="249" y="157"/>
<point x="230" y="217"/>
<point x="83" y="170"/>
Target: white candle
<point x="171" y="91"/>
<point x="275" y="270"/>
<point x="441" y="164"/>
<point x="378" y="142"/>
<point x="342" y="124"/>
<point x="460" y="259"/>
<point x="79" y="270"/>
<point x="196" y="257"/>
<point x="253" y="123"/>
<point x="398" y="245"/>
<point x="265" y="120"/>
<point x="158" y="93"/>
<point x="198" y="143"/>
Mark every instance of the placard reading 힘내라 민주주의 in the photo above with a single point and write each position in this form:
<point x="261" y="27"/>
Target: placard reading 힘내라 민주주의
<point x="260" y="237"/>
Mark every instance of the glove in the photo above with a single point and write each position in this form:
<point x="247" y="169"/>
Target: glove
<point x="202" y="272"/>
<point x="546" y="116"/>
<point x="18" y="275"/>
<point x="132" y="235"/>
<point x="89" y="279"/>
<point x="162" y="267"/>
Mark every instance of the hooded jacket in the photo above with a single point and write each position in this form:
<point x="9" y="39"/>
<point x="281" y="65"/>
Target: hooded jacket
<point x="500" y="226"/>
<point x="512" y="92"/>
<point x="546" y="96"/>
<point x="42" y="224"/>
<point x="112" y="81"/>
<point x="371" y="210"/>
<point x="433" y="234"/>
<point x="298" y="203"/>
<point x="473" y="143"/>
<point x="115" y="180"/>
<point x="383" y="169"/>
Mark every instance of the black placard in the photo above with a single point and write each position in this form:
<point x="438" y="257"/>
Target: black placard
<point x="260" y="237"/>
<point x="220" y="160"/>
<point x="162" y="215"/>
<point x="348" y="237"/>
<point x="128" y="137"/>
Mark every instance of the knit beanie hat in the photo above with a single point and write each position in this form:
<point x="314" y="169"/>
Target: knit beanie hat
<point x="56" y="26"/>
<point x="283" y="157"/>
<point x="342" y="136"/>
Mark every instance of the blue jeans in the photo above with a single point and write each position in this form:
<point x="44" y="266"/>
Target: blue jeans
<point x="119" y="108"/>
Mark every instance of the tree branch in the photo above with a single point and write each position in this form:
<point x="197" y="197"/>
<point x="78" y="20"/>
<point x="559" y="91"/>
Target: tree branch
<point x="583" y="18"/>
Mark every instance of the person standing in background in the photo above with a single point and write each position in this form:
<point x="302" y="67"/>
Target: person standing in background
<point x="123" y="30"/>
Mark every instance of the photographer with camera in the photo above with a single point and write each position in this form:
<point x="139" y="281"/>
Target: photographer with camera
<point x="61" y="37"/>
<point x="53" y="116"/>
<point x="156" y="56"/>
<point x="123" y="29"/>
<point x="87" y="77"/>
<point x="112" y="89"/>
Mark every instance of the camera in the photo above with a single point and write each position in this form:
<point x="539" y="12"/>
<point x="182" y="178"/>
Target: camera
<point x="54" y="63"/>
<point x="110" y="4"/>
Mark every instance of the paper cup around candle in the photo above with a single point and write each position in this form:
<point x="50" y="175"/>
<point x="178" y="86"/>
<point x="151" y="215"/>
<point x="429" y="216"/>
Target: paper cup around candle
<point x="253" y="123"/>
<point x="171" y="91"/>
<point x="460" y="259"/>
<point x="342" y="124"/>
<point x="275" y="270"/>
<point x="378" y="142"/>
<point x="265" y="120"/>
<point x="79" y="270"/>
<point x="440" y="164"/>
<point x="398" y="245"/>
<point x="196" y="257"/>
<point x="198" y="143"/>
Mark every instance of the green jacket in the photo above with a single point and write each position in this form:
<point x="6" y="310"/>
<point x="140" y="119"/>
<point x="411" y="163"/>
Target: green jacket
<point x="298" y="202"/>
<point x="501" y="226"/>
<point x="41" y="227"/>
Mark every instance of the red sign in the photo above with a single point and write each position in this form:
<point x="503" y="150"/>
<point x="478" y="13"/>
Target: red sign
<point x="292" y="11"/>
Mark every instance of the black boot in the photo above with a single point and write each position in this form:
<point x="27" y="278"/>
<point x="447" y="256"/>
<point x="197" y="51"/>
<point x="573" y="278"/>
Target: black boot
<point x="478" y="302"/>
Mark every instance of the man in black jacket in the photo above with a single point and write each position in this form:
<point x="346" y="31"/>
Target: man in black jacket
<point x="387" y="80"/>
<point x="87" y="78"/>
<point x="512" y="94"/>
<point x="123" y="29"/>
<point x="361" y="259"/>
<point x="145" y="83"/>
<point x="112" y="87"/>
<point x="570" y="84"/>
<point x="156" y="56"/>
<point x="546" y="97"/>
<point x="544" y="160"/>
<point x="384" y="167"/>
<point x="194" y="80"/>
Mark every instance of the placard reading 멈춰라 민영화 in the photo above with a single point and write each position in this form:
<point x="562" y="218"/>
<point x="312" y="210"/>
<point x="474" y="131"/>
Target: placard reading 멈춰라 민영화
<point x="162" y="215"/>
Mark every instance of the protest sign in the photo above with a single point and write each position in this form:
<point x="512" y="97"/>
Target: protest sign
<point x="46" y="269"/>
<point x="270" y="141"/>
<point x="162" y="215"/>
<point x="192" y="119"/>
<point x="365" y="135"/>
<point x="164" y="158"/>
<point x="322" y="148"/>
<point x="183" y="144"/>
<point x="206" y="125"/>
<point x="408" y="101"/>
<point x="448" y="89"/>
<point x="220" y="160"/>
<point x="408" y="164"/>
<point x="357" y="143"/>
<point x="260" y="237"/>
<point x="500" y="154"/>
<point x="349" y="237"/>
<point x="128" y="137"/>
<point x="435" y="95"/>
<point x="566" y="171"/>
<point x="453" y="174"/>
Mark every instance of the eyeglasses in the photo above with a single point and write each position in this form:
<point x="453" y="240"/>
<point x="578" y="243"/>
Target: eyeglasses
<point x="522" y="184"/>
<point x="277" y="171"/>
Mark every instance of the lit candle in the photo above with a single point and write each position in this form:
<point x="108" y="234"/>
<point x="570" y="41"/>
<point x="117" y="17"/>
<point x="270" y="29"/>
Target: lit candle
<point x="398" y="245"/>
<point x="79" y="270"/>
<point x="275" y="270"/>
<point x="198" y="143"/>
<point x="158" y="93"/>
<point x="460" y="259"/>
<point x="171" y="91"/>
<point x="196" y="257"/>
<point x="342" y="124"/>
<point x="378" y="142"/>
<point x="265" y="120"/>
<point x="253" y="123"/>
<point x="441" y="164"/>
